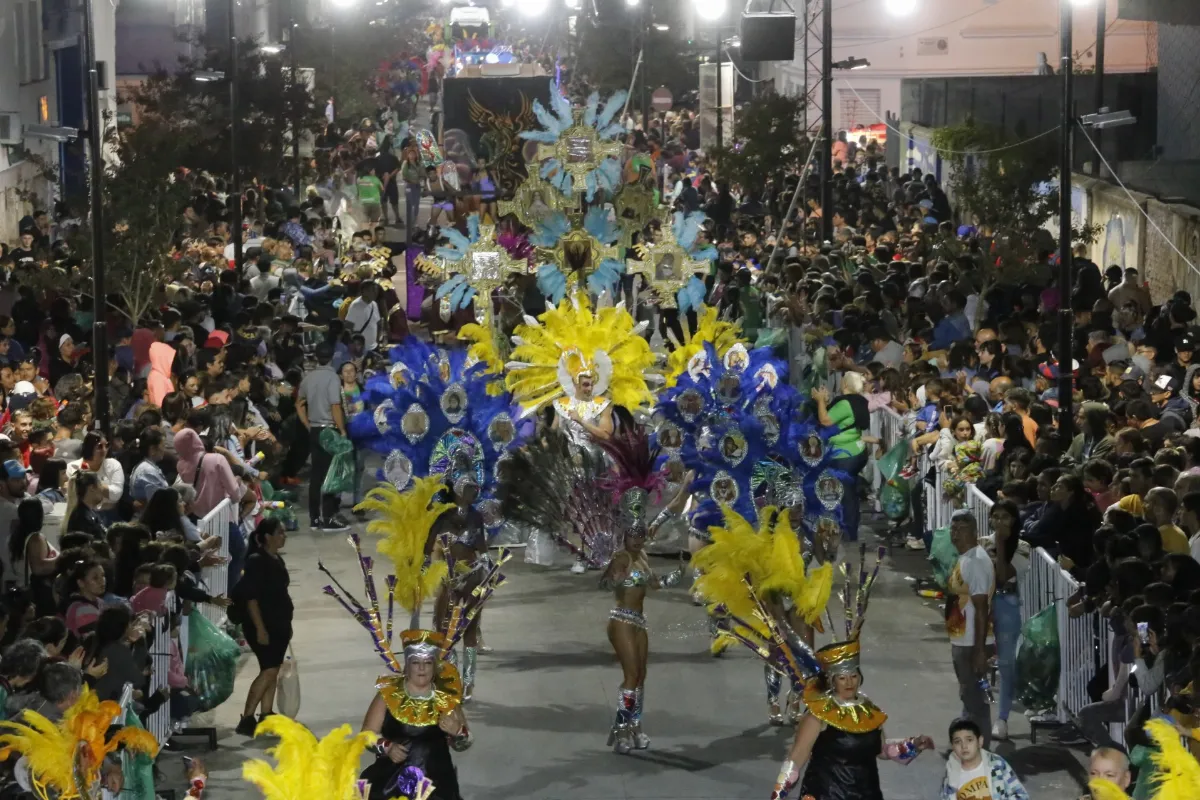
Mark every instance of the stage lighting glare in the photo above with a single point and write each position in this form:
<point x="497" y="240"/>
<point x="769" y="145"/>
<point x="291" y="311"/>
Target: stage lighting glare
<point x="901" y="8"/>
<point x="533" y="8"/>
<point x="709" y="9"/>
<point x="632" y="3"/>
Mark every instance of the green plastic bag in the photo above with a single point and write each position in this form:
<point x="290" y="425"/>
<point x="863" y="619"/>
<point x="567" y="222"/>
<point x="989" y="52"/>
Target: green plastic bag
<point x="943" y="555"/>
<point x="211" y="661"/>
<point x="1038" y="660"/>
<point x="893" y="498"/>
<point x="137" y="768"/>
<point x="340" y="477"/>
<point x="894" y="460"/>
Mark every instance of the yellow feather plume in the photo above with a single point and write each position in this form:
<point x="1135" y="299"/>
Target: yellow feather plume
<point x="483" y="347"/>
<point x="722" y="334"/>
<point x="1101" y="789"/>
<point x="306" y="768"/>
<point x="769" y="558"/>
<point x="404" y="525"/>
<point x="573" y="326"/>
<point x="1177" y="775"/>
<point x="75" y="747"/>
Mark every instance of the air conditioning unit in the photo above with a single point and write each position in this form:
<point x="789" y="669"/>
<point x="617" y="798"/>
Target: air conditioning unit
<point x="933" y="46"/>
<point x="10" y="127"/>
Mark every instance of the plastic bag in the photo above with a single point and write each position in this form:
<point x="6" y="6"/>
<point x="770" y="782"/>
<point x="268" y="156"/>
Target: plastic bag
<point x="287" y="690"/>
<point x="943" y="555"/>
<point x="340" y="477"/>
<point x="137" y="768"/>
<point x="211" y="661"/>
<point x="894" y="460"/>
<point x="1038" y="660"/>
<point x="893" y="498"/>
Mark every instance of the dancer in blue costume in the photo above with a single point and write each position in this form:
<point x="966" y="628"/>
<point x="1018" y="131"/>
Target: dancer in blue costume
<point x="753" y="442"/>
<point x="439" y="412"/>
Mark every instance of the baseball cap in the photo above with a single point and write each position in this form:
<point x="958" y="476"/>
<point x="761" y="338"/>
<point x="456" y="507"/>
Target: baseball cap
<point x="1134" y="373"/>
<point x="14" y="469"/>
<point x="66" y="337"/>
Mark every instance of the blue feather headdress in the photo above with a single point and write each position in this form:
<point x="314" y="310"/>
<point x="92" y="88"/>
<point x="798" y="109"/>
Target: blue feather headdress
<point x="556" y="122"/>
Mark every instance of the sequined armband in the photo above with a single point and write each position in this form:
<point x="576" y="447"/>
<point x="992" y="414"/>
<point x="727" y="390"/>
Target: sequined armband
<point x="672" y="578"/>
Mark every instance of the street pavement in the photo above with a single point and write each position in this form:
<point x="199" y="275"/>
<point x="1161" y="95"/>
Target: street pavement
<point x="545" y="697"/>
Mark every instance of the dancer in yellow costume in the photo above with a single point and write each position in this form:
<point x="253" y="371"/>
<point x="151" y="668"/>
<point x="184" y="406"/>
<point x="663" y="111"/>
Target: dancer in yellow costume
<point x="64" y="760"/>
<point x="582" y="362"/>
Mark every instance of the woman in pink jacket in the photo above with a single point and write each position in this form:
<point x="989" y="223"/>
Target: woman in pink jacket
<point x="159" y="382"/>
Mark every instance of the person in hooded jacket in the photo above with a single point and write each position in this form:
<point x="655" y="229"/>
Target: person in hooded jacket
<point x="162" y="357"/>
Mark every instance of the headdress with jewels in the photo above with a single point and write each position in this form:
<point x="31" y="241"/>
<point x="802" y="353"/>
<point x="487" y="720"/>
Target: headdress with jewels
<point x="568" y="339"/>
<point x="307" y="767"/>
<point x="64" y="758"/>
<point x="571" y="256"/>
<point x="438" y="410"/>
<point x="404" y="523"/>
<point x="674" y="262"/>
<point x="578" y="148"/>
<point x="585" y="502"/>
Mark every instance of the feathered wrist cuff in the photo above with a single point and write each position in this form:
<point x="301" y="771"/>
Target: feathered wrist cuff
<point x="902" y="751"/>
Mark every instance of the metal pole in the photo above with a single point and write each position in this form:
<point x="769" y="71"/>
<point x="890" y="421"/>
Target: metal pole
<point x="792" y="206"/>
<point x="1065" y="317"/>
<point x="295" y="121"/>
<point x="807" y="20"/>
<point x="235" y="189"/>
<point x="333" y="72"/>
<point x="720" y="103"/>
<point x="1101" y="27"/>
<point x="827" y="121"/>
<point x="645" y="76"/>
<point x="96" y="201"/>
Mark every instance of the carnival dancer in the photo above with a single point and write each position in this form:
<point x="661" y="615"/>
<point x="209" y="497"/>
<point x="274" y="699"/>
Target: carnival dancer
<point x="416" y="708"/>
<point x="306" y="767"/>
<point x="68" y="759"/>
<point x="840" y="739"/>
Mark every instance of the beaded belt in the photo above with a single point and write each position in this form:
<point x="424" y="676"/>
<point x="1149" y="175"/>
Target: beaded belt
<point x="635" y="618"/>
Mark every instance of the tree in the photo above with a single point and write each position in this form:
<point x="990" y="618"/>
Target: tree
<point x="1009" y="191"/>
<point x="268" y="103"/>
<point x="608" y="52"/>
<point x="769" y="139"/>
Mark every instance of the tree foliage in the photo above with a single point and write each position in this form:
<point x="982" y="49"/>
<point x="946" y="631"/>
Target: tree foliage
<point x="769" y="138"/>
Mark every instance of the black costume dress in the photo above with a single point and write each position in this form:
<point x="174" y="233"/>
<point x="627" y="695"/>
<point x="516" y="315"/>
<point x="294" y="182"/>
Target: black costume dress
<point x="428" y="748"/>
<point x="844" y="764"/>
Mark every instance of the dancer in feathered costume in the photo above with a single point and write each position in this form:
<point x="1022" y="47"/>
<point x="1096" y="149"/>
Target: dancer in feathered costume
<point x="840" y="737"/>
<point x="63" y="760"/>
<point x="417" y="709"/>
<point x="308" y="768"/>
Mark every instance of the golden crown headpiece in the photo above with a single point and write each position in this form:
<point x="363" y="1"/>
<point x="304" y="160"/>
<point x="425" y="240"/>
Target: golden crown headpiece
<point x="422" y="645"/>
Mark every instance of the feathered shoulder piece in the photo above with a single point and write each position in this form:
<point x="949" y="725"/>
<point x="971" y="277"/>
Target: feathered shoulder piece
<point x="1177" y="773"/>
<point x="570" y="340"/>
<point x="64" y="759"/>
<point x="306" y="767"/>
<point x="635" y="462"/>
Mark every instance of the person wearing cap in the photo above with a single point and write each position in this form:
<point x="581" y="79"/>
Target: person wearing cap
<point x="12" y="491"/>
<point x="1185" y="351"/>
<point x="63" y="362"/>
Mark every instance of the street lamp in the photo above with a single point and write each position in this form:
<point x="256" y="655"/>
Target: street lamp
<point x="851" y="63"/>
<point x="272" y="49"/>
<point x="534" y="8"/>
<point x="710" y="10"/>
<point x="208" y="75"/>
<point x="632" y="3"/>
<point x="901" y="8"/>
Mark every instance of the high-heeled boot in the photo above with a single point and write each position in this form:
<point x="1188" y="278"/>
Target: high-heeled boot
<point x="470" y="654"/>
<point x="795" y="706"/>
<point x="774" y="685"/>
<point x="640" y="740"/>
<point x="620" y="738"/>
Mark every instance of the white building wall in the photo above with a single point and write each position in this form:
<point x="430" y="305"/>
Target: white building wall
<point x="956" y="38"/>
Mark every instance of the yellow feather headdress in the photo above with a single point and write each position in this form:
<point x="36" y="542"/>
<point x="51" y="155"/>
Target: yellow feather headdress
<point x="66" y="757"/>
<point x="1177" y="773"/>
<point x="1101" y="789"/>
<point x="745" y="572"/>
<point x="554" y="349"/>
<point x="722" y="334"/>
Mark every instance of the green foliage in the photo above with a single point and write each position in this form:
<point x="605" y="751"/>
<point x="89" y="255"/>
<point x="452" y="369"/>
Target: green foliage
<point x="769" y="138"/>
<point x="268" y="100"/>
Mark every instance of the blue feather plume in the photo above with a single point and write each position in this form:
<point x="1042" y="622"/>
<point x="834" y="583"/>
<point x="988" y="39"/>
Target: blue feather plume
<point x="610" y="110"/>
<point x="598" y="223"/>
<point x="606" y="277"/>
<point x="562" y="110"/>
<point x="593" y="103"/>
<point x="550" y="229"/>
<point x="611" y="131"/>
<point x="691" y="296"/>
<point x="551" y="282"/>
<point x="473" y="227"/>
<point x="610" y="172"/>
<point x="590" y="183"/>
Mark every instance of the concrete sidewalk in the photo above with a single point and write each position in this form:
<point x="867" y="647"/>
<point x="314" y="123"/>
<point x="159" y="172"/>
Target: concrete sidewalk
<point x="545" y="697"/>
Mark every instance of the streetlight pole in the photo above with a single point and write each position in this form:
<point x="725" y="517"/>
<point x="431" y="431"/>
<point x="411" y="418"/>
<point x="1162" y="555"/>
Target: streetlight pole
<point x="827" y="121"/>
<point x="295" y="120"/>
<point x="644" y="76"/>
<point x="1066" y="320"/>
<point x="96" y="200"/>
<point x="720" y="103"/>
<point x="235" y="189"/>
<point x="1101" y="28"/>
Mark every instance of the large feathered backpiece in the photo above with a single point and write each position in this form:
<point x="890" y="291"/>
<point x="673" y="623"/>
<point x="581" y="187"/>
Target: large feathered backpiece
<point x="65" y="758"/>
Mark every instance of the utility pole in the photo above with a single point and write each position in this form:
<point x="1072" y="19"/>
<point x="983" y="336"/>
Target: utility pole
<point x="720" y="102"/>
<point x="235" y="188"/>
<point x="96" y="201"/>
<point x="295" y="111"/>
<point x="827" y="121"/>
<point x="645" y="34"/>
<point x="1101" y="27"/>
<point x="1066" y="417"/>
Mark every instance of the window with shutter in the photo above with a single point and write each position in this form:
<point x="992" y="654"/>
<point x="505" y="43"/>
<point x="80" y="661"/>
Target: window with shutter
<point x="862" y="108"/>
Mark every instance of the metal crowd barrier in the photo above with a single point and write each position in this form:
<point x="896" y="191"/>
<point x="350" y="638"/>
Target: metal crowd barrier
<point x="159" y="723"/>
<point x="216" y="523"/>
